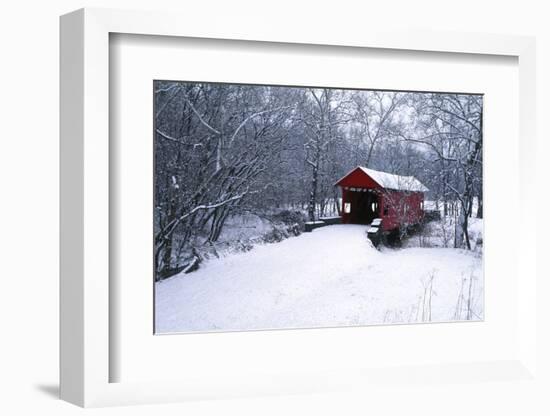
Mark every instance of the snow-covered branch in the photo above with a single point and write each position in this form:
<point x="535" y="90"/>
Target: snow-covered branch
<point x="250" y="117"/>
<point x="201" y="119"/>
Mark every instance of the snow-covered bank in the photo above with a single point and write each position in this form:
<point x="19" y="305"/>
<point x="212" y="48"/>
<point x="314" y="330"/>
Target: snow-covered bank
<point x="329" y="277"/>
<point x="441" y="233"/>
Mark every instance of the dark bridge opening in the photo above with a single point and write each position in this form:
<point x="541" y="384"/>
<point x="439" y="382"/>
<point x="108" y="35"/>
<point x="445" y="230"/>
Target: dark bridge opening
<point x="363" y="206"/>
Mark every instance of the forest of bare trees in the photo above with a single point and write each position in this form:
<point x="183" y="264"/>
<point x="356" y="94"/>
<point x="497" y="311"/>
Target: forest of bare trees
<point x="223" y="150"/>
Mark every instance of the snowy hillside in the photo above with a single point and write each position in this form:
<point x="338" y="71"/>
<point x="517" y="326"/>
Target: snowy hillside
<point x="329" y="277"/>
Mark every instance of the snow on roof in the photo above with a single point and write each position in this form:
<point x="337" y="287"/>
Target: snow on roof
<point x="391" y="181"/>
<point x="397" y="182"/>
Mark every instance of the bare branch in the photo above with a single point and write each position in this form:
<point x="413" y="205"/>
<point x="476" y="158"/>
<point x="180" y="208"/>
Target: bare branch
<point x="246" y="120"/>
<point x="201" y="119"/>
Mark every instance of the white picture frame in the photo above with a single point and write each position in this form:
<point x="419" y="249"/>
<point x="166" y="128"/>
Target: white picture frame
<point x="85" y="163"/>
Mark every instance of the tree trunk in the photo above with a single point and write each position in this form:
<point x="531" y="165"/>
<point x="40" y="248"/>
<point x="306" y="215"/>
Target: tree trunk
<point x="480" y="203"/>
<point x="218" y="221"/>
<point x="314" y="185"/>
<point x="312" y="195"/>
<point x="167" y="241"/>
<point x="465" y="231"/>
<point x="337" y="202"/>
<point x="459" y="231"/>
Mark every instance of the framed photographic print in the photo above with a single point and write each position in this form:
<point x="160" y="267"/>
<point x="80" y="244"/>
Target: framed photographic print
<point x="290" y="207"/>
<point x="270" y="212"/>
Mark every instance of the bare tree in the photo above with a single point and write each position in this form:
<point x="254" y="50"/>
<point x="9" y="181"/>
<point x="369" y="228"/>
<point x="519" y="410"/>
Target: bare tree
<point x="322" y="112"/>
<point x="220" y="145"/>
<point x="452" y="131"/>
<point x="377" y="118"/>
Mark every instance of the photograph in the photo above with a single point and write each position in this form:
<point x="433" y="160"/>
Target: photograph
<point x="294" y="207"/>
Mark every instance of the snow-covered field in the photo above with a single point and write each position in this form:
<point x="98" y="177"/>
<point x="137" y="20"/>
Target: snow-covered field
<point x="329" y="277"/>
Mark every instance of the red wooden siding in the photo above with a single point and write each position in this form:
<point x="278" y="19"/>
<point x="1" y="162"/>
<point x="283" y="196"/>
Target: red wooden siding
<point x="395" y="207"/>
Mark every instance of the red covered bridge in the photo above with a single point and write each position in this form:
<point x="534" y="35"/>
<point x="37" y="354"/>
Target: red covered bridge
<point x="368" y="194"/>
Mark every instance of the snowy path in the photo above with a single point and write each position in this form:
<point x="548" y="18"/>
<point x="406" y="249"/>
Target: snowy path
<point x="329" y="277"/>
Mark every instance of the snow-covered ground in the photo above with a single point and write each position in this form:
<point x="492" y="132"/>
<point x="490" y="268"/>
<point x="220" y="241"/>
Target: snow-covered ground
<point x="442" y="234"/>
<point x="329" y="277"/>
